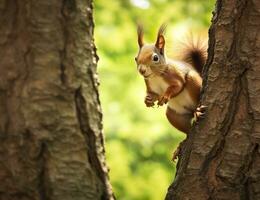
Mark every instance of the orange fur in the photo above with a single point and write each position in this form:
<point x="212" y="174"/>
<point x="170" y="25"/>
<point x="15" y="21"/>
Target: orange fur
<point x="146" y="55"/>
<point x="193" y="85"/>
<point x="140" y="34"/>
<point x="172" y="82"/>
<point x="194" y="53"/>
<point x="180" y="121"/>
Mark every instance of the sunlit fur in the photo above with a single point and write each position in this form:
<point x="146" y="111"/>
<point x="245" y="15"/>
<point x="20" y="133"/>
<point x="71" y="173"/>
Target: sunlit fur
<point x="174" y="82"/>
<point x="140" y="35"/>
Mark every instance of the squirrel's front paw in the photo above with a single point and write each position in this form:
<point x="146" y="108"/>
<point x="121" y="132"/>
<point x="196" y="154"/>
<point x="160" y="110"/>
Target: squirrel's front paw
<point x="163" y="99"/>
<point x="149" y="102"/>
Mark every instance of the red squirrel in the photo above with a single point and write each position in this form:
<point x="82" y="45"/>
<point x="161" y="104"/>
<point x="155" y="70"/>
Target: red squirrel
<point x="171" y="82"/>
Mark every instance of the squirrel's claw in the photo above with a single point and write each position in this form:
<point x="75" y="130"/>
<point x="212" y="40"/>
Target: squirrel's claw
<point x="199" y="112"/>
<point x="149" y="102"/>
<point x="202" y="108"/>
<point x="163" y="100"/>
<point x="175" y="154"/>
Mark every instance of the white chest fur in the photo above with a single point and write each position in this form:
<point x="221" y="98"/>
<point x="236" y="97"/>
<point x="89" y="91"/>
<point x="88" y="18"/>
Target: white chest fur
<point x="182" y="103"/>
<point x="157" y="84"/>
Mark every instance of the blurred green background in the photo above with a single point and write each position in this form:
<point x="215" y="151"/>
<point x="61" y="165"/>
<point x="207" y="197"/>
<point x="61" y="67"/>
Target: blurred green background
<point x="139" y="140"/>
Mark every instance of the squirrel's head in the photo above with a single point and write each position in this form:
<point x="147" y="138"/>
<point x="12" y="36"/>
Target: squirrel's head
<point x="150" y="56"/>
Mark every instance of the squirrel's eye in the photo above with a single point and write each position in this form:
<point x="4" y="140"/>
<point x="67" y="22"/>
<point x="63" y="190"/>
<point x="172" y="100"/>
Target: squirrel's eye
<point x="135" y="59"/>
<point x="155" y="57"/>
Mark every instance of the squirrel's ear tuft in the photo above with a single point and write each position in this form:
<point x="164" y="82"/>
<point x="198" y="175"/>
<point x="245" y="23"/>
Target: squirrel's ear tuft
<point x="140" y="34"/>
<point x="160" y="42"/>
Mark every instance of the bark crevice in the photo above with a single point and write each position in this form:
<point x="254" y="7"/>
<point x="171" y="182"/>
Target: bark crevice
<point x="220" y="159"/>
<point x="43" y="195"/>
<point x="46" y="54"/>
<point x="90" y="138"/>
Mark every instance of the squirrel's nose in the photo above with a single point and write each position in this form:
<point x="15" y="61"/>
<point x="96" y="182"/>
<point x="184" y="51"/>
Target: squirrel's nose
<point x="142" y="71"/>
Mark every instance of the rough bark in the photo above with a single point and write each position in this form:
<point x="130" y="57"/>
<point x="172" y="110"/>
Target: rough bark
<point x="221" y="157"/>
<point x="51" y="143"/>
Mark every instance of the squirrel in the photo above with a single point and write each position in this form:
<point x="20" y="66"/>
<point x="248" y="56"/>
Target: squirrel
<point x="175" y="83"/>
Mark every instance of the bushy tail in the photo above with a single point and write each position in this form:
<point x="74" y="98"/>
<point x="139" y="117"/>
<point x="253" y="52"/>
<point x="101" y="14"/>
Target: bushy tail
<point x="195" y="53"/>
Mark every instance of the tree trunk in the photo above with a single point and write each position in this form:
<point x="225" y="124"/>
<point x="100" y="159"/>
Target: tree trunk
<point x="51" y="143"/>
<point x="221" y="157"/>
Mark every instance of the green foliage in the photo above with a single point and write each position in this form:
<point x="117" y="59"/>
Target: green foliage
<point x="139" y="140"/>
